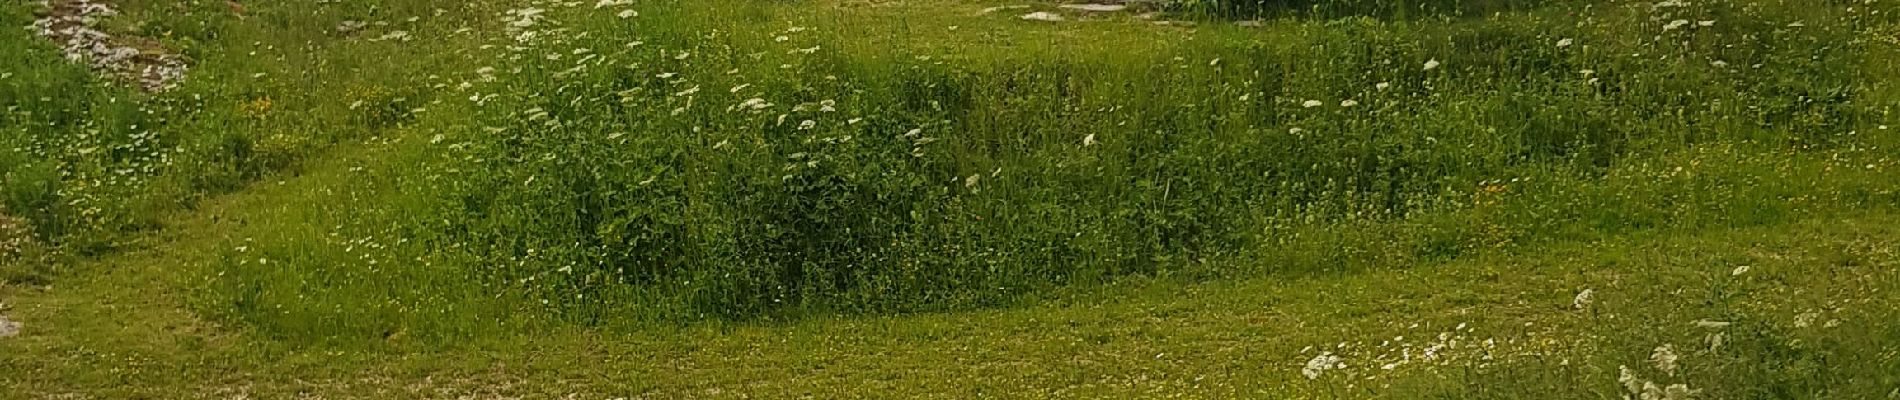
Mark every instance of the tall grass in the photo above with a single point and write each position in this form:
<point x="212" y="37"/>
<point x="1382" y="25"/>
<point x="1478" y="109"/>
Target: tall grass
<point x="697" y="162"/>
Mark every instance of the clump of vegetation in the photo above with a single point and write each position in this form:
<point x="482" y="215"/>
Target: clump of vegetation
<point x="660" y="168"/>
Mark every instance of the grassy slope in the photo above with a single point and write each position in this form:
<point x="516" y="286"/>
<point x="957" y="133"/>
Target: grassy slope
<point x="117" y="335"/>
<point x="120" y="328"/>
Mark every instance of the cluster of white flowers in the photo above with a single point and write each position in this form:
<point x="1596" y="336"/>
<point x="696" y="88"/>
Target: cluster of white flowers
<point x="522" y="18"/>
<point x="1449" y="347"/>
<point x="15" y="234"/>
<point x="1321" y="363"/>
<point x="1643" y="389"/>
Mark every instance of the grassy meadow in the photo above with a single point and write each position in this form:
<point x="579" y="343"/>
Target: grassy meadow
<point x="941" y="198"/>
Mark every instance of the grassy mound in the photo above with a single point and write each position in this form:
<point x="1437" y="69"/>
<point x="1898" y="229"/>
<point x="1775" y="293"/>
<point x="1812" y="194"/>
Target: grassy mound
<point x="589" y="167"/>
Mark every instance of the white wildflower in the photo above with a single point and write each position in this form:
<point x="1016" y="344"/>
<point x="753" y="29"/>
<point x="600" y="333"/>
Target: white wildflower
<point x="1312" y="103"/>
<point x="1665" y="359"/>
<point x="1711" y="324"/>
<point x="1319" y="364"/>
<point x="1805" y="319"/>
<point x="628" y="14"/>
<point x="1348" y="103"/>
<point x="1739" y="271"/>
<point x="1630" y="381"/>
<point x="1583" y="299"/>
<point x="755" y="104"/>
<point x="1088" y="140"/>
<point x="1432" y="64"/>
<point x="1565" y="42"/>
<point x="1675" y="24"/>
<point x="402" y="36"/>
<point x="1678" y="392"/>
<point x="1382" y="86"/>
<point x="807" y="125"/>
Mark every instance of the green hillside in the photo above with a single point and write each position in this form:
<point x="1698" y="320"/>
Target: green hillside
<point x="950" y="198"/>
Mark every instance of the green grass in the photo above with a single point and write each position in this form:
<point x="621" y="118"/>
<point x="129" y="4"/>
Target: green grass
<point x="1104" y="207"/>
<point x="111" y="336"/>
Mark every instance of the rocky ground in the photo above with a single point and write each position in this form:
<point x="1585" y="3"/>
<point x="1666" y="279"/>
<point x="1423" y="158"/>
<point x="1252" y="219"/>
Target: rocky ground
<point x="74" y="25"/>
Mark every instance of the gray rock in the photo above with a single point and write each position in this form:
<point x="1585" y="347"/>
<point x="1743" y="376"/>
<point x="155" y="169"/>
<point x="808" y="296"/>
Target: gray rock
<point x="1096" y="7"/>
<point x="70" y="24"/>
<point x="1001" y="8"/>
<point x="1043" y="16"/>
<point x="8" y="328"/>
